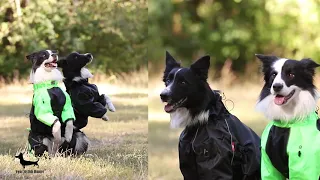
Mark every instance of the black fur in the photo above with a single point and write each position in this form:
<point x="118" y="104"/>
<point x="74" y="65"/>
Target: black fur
<point x="71" y="65"/>
<point x="26" y="163"/>
<point x="190" y="83"/>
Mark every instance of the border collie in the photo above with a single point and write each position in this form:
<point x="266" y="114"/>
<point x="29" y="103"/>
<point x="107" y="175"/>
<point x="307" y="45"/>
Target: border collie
<point x="214" y="144"/>
<point x="51" y="114"/>
<point x="289" y="99"/>
<point x="288" y="92"/>
<point x="85" y="96"/>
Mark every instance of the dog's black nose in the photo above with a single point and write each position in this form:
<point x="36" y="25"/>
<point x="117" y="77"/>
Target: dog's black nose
<point x="164" y="96"/>
<point x="277" y="87"/>
<point x="89" y="55"/>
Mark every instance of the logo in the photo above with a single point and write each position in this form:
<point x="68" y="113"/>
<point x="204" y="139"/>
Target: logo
<point x="25" y="163"/>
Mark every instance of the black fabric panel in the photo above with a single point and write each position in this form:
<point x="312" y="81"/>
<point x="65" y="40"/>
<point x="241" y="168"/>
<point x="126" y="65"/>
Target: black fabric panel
<point x="58" y="100"/>
<point x="86" y="101"/>
<point x="276" y="148"/>
<point x="205" y="151"/>
<point x="37" y="126"/>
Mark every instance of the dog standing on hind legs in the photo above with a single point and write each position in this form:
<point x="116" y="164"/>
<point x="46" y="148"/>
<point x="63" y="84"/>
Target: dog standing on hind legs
<point x="86" y="99"/>
<point x="291" y="141"/>
<point x="214" y="143"/>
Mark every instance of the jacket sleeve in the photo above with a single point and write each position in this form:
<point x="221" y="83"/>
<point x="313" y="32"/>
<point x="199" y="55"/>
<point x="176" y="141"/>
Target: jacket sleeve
<point x="84" y="103"/>
<point x="42" y="108"/>
<point x="67" y="112"/>
<point x="268" y="171"/>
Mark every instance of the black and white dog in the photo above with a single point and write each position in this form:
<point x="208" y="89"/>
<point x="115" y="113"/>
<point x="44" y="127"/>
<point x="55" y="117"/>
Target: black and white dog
<point x="289" y="100"/>
<point x="289" y="91"/>
<point x="51" y="114"/>
<point x="214" y="144"/>
<point x="85" y="97"/>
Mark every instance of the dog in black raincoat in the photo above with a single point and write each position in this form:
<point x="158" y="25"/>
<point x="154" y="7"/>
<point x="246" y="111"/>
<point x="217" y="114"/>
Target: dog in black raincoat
<point x="214" y="143"/>
<point x="85" y="97"/>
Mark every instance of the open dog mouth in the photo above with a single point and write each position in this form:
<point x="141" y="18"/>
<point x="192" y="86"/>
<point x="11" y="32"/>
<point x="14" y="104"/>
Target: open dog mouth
<point x="170" y="107"/>
<point x="52" y="64"/>
<point x="280" y="99"/>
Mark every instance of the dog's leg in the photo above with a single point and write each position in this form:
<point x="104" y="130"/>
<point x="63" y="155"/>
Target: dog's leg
<point x="109" y="104"/>
<point x="56" y="132"/>
<point x="48" y="143"/>
<point x="68" y="131"/>
<point x="82" y="143"/>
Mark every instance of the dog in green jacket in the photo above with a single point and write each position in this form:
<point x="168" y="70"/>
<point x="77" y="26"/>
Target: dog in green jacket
<point x="51" y="115"/>
<point x="291" y="141"/>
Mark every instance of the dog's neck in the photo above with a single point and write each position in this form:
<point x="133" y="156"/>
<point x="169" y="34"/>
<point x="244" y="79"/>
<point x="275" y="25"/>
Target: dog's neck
<point x="184" y="117"/>
<point x="41" y="75"/>
<point x="84" y="74"/>
<point x="298" y="109"/>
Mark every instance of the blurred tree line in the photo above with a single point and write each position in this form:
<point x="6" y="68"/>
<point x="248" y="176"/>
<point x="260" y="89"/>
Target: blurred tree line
<point x="114" y="32"/>
<point x="233" y="31"/>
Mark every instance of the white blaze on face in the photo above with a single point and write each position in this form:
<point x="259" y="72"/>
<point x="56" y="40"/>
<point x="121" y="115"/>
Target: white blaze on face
<point x="277" y="66"/>
<point x="168" y="88"/>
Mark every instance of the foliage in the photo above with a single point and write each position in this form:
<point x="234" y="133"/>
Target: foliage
<point x="113" y="31"/>
<point x="234" y="30"/>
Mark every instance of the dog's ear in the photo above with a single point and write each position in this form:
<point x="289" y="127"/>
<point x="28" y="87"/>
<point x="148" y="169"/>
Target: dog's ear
<point x="201" y="67"/>
<point x="309" y="65"/>
<point x="170" y="64"/>
<point x="267" y="61"/>
<point x="62" y="62"/>
<point x="31" y="57"/>
<point x="266" y="58"/>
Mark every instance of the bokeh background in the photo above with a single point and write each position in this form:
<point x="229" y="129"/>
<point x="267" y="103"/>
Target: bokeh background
<point x="115" y="32"/>
<point x="231" y="32"/>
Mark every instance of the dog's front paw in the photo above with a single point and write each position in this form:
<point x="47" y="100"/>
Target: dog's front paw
<point x="68" y="131"/>
<point x="105" y="117"/>
<point x="109" y="104"/>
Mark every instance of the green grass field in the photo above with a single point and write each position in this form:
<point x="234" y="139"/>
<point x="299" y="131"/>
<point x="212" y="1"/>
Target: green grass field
<point x="163" y="141"/>
<point x="118" y="147"/>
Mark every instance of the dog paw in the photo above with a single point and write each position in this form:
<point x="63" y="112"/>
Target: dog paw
<point x="105" y="117"/>
<point x="109" y="104"/>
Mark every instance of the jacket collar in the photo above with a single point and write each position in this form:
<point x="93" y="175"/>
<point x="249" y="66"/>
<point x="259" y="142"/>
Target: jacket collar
<point x="309" y="119"/>
<point x="45" y="84"/>
<point x="216" y="106"/>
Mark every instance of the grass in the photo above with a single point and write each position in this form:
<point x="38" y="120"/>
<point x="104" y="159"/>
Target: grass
<point x="163" y="141"/>
<point x="118" y="148"/>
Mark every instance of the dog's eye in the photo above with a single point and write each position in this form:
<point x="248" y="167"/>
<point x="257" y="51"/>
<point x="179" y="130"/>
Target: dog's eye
<point x="291" y="75"/>
<point x="274" y="74"/>
<point x="183" y="82"/>
<point x="167" y="81"/>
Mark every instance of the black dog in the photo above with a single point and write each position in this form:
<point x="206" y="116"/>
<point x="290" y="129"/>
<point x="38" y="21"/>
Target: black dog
<point x="85" y="97"/>
<point x="214" y="144"/>
<point x="26" y="163"/>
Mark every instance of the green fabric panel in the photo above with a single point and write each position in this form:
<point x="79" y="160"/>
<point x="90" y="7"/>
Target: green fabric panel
<point x="304" y="137"/>
<point x="67" y="112"/>
<point x="268" y="172"/>
<point x="42" y="107"/>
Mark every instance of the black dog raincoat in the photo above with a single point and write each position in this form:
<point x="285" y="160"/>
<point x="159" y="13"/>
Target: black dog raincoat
<point x="223" y="148"/>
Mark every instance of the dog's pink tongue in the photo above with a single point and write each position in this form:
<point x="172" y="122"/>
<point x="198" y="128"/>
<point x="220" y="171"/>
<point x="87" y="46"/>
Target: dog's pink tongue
<point x="168" y="108"/>
<point x="279" y="100"/>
